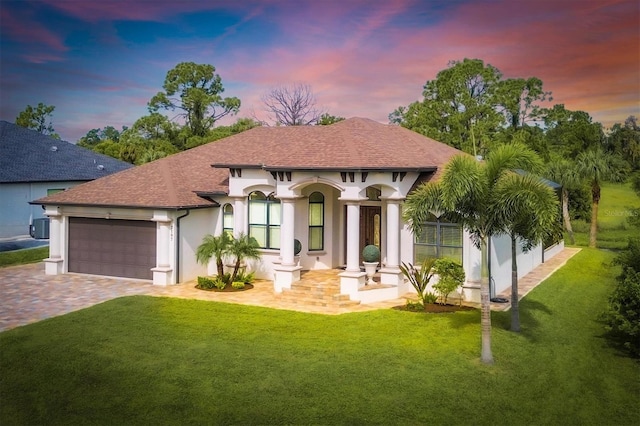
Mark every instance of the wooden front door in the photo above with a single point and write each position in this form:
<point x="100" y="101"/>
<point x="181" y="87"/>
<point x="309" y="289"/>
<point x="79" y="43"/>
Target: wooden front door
<point x="370" y="222"/>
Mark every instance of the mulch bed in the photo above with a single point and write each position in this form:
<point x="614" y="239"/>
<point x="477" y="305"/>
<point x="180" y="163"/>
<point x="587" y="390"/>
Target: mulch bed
<point x="435" y="308"/>
<point x="228" y="289"/>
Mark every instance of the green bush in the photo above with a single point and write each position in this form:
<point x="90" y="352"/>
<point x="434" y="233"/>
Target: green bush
<point x="220" y="283"/>
<point x="205" y="283"/>
<point x="623" y="316"/>
<point x="245" y="277"/>
<point x="451" y="276"/>
<point x="238" y="285"/>
<point x="371" y="253"/>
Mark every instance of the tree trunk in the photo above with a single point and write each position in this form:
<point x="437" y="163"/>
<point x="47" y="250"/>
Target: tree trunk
<point x="594" y="224"/>
<point x="515" y="309"/>
<point x="595" y="196"/>
<point x="485" y="305"/>
<point x="566" y="217"/>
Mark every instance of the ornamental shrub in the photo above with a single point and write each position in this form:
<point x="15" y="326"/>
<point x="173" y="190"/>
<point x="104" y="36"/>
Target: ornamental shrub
<point x="238" y="285"/>
<point x="371" y="253"/>
<point x="451" y="276"/>
<point x="623" y="315"/>
<point x="205" y="283"/>
<point x="220" y="283"/>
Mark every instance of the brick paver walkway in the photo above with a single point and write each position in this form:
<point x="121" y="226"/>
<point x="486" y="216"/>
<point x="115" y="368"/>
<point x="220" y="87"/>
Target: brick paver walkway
<point x="28" y="295"/>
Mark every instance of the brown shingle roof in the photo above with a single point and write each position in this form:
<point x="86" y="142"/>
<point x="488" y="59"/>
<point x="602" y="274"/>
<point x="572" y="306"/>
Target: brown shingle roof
<point x="172" y="182"/>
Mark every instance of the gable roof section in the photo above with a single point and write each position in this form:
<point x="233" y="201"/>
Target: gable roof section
<point x="30" y="156"/>
<point x="174" y="182"/>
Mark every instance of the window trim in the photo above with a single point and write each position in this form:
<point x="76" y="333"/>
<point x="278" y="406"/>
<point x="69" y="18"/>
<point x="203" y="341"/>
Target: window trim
<point x="268" y="225"/>
<point x="439" y="226"/>
<point x="312" y="227"/>
<point x="226" y="215"/>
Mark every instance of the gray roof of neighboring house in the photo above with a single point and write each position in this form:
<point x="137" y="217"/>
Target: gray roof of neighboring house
<point x="30" y="156"/>
<point x="355" y="144"/>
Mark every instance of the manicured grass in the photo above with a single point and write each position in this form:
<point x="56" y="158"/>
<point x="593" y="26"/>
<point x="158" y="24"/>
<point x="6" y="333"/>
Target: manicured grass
<point x="144" y="360"/>
<point x="616" y="204"/>
<point x="20" y="257"/>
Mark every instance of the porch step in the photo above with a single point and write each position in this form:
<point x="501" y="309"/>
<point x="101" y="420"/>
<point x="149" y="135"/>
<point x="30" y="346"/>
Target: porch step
<point x="317" y="288"/>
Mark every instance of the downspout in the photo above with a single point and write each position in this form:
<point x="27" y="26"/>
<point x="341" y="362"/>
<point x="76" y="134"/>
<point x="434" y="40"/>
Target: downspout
<point x="178" y="244"/>
<point x="492" y="289"/>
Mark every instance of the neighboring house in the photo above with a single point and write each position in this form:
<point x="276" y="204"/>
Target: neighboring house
<point x="33" y="165"/>
<point x="334" y="188"/>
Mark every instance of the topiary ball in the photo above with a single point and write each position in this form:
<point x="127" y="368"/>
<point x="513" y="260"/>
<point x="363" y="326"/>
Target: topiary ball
<point x="371" y="253"/>
<point x="297" y="247"/>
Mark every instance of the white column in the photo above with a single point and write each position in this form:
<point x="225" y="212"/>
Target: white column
<point x="393" y="233"/>
<point x="287" y="231"/>
<point x="53" y="265"/>
<point x="240" y="225"/>
<point x="353" y="236"/>
<point x="163" y="271"/>
<point x="163" y="244"/>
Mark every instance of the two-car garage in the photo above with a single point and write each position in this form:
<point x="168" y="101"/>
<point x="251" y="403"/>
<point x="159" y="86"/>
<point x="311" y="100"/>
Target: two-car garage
<point x="112" y="247"/>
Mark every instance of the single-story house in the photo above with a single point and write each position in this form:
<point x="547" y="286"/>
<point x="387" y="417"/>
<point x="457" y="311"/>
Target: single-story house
<point x="334" y="188"/>
<point x="33" y="165"/>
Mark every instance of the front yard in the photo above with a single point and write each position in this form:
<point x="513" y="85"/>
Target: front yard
<point x="146" y="360"/>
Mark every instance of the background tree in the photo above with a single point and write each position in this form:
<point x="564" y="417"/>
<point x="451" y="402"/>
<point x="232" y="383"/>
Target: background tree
<point x="596" y="167"/>
<point x="565" y="173"/>
<point x="326" y="119"/>
<point x="195" y="89"/>
<point x="96" y="136"/>
<point x="38" y="119"/>
<point x="529" y="209"/>
<point x="459" y="107"/>
<point x="466" y="194"/>
<point x="571" y="132"/>
<point x="292" y="105"/>
<point x="624" y="140"/>
<point x="518" y="100"/>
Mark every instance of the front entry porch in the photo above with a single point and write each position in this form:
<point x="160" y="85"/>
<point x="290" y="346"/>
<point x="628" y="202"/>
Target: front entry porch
<point x="327" y="288"/>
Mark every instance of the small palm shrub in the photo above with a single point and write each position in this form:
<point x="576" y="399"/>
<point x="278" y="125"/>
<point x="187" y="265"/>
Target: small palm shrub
<point x="419" y="279"/>
<point x="245" y="277"/>
<point x="220" y="283"/>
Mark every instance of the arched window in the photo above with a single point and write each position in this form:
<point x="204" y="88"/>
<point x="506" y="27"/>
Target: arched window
<point x="438" y="238"/>
<point x="227" y="219"/>
<point x="316" y="221"/>
<point x="264" y="219"/>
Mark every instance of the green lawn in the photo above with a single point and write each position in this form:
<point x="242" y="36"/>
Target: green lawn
<point x="19" y="257"/>
<point x="145" y="360"/>
<point x="616" y="203"/>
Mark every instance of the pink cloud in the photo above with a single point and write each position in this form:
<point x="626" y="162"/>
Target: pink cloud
<point x="23" y="28"/>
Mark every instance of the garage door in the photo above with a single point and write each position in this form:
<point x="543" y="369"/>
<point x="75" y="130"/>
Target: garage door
<point x="116" y="248"/>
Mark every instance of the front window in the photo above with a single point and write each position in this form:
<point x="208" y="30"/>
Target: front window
<point x="316" y="221"/>
<point x="438" y="238"/>
<point x="264" y="219"/>
<point x="227" y="219"/>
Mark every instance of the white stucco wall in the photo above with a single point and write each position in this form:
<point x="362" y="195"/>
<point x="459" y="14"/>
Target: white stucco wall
<point x="501" y="261"/>
<point x="193" y="228"/>
<point x="16" y="214"/>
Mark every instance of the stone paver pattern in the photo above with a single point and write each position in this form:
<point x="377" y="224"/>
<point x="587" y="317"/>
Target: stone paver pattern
<point x="27" y="295"/>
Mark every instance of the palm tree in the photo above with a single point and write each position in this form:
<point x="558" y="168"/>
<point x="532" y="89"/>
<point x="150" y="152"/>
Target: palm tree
<point x="243" y="247"/>
<point x="466" y="193"/>
<point x="596" y="166"/>
<point x="566" y="174"/>
<point x="529" y="212"/>
<point x="214" y="246"/>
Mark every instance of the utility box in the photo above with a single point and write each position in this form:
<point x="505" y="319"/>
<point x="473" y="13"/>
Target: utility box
<point x="39" y="229"/>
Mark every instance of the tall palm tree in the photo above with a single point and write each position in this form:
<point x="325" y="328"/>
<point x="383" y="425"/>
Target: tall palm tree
<point x="529" y="212"/>
<point x="466" y="193"/>
<point x="214" y="246"/>
<point x="242" y="247"/>
<point x="566" y="174"/>
<point x="596" y="166"/>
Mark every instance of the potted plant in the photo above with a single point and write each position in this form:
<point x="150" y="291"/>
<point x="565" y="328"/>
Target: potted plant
<point x="297" y="248"/>
<point x="370" y="257"/>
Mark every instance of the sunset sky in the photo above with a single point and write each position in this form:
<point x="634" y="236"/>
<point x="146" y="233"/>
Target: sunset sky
<point x="99" y="62"/>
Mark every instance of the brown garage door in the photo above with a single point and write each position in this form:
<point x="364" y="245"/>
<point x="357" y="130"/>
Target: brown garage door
<point x="117" y="248"/>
